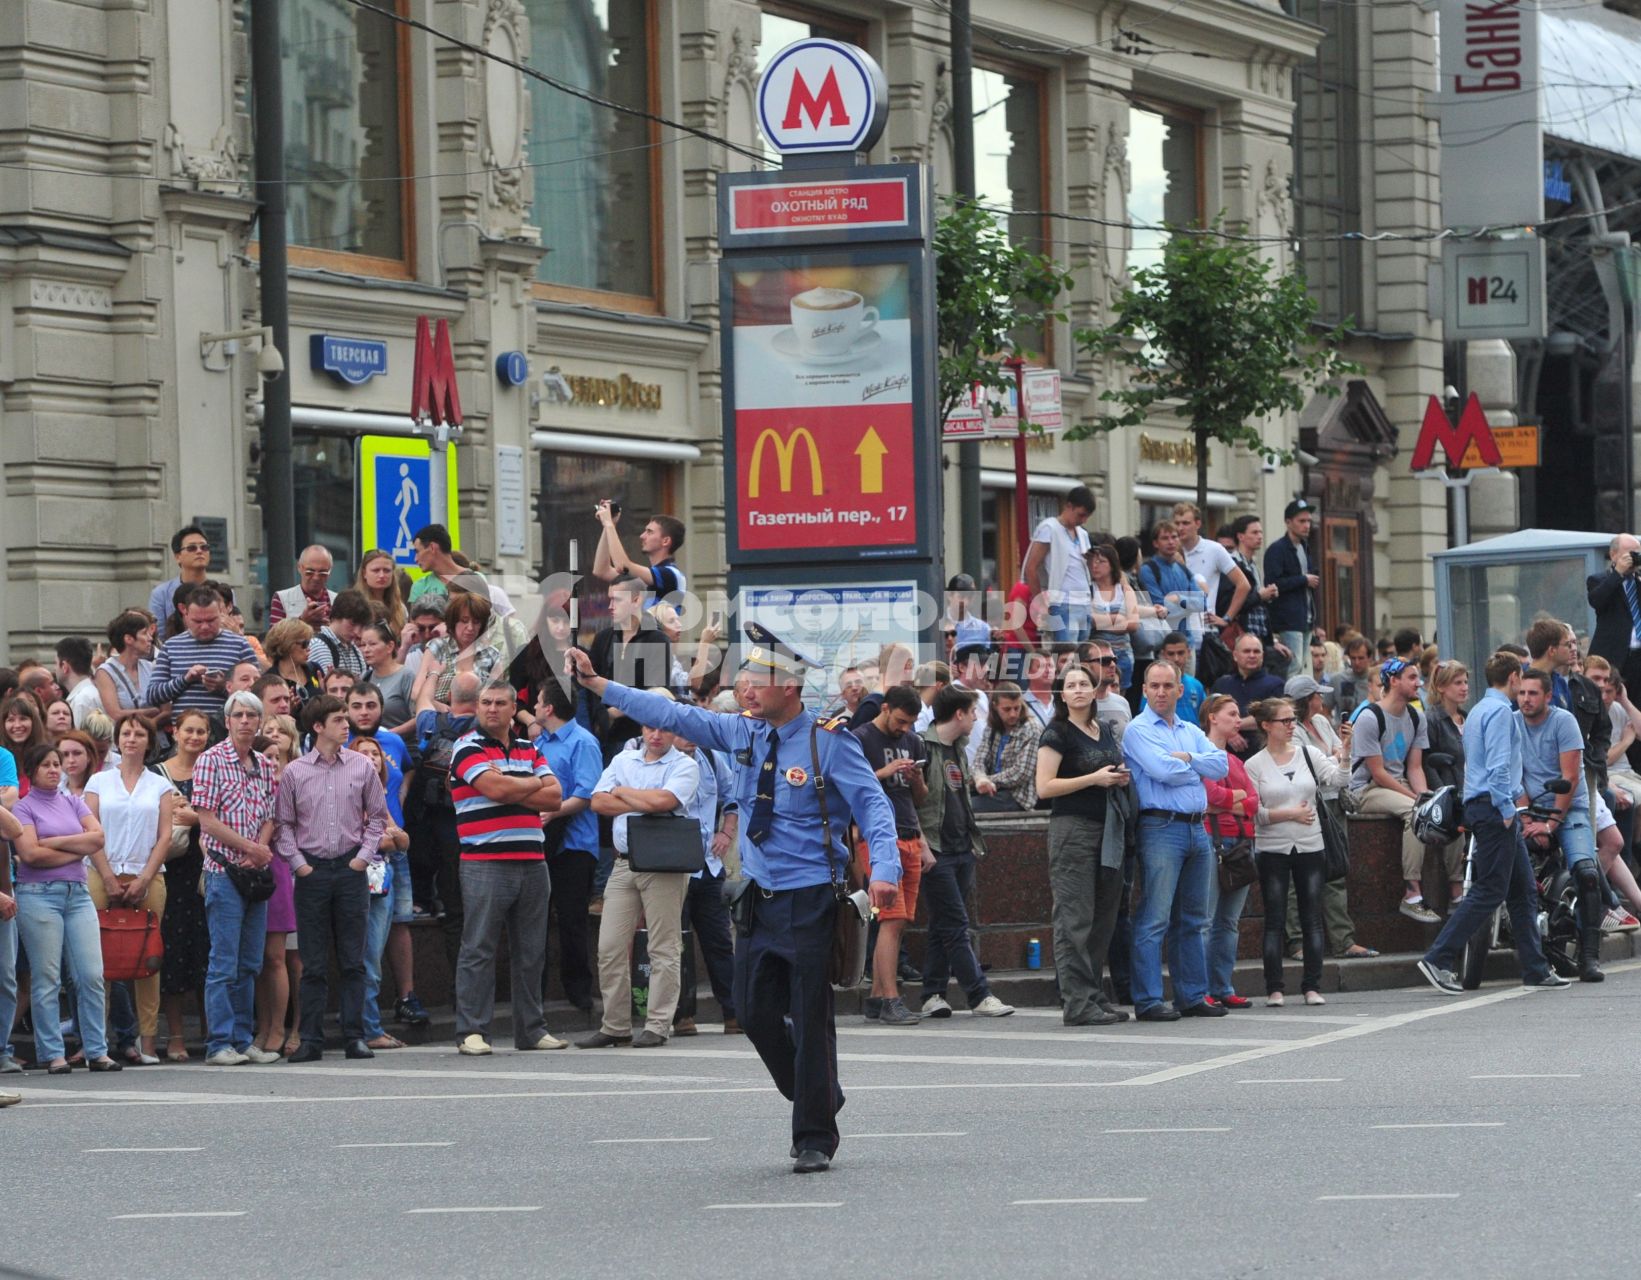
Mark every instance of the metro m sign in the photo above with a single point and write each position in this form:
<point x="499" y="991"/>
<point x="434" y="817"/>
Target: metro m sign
<point x="1455" y="442"/>
<point x="433" y="393"/>
<point x="819" y="96"/>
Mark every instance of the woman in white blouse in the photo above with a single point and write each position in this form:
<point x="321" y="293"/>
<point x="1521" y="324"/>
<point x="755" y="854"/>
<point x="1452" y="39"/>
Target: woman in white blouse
<point x="1288" y="840"/>
<point x="134" y="807"/>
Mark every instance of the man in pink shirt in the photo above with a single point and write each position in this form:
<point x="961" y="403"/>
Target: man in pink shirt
<point x="328" y="821"/>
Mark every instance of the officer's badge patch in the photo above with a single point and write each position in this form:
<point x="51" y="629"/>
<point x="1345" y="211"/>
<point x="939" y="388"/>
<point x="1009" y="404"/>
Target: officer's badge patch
<point x="797" y="776"/>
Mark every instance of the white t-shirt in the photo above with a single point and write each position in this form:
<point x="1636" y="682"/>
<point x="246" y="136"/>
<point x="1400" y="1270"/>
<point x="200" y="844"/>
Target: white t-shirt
<point x="130" y="819"/>
<point x="83" y="699"/>
<point x="1072" y="544"/>
<point x="1209" y="561"/>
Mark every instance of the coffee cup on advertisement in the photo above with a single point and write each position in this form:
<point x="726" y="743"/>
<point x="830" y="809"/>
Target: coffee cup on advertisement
<point x="827" y="322"/>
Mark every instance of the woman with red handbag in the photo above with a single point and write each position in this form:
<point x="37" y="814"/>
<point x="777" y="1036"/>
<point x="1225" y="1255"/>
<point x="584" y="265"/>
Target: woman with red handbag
<point x="1233" y="802"/>
<point x="134" y="807"/>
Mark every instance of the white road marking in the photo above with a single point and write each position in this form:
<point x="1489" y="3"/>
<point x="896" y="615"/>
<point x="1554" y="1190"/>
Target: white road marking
<point x="197" y="1213"/>
<point x="364" y="1146"/>
<point x="482" y="1208"/>
<point x="1396" y="1195"/>
<point x="137" y="1151"/>
<point x="1296" y="1080"/>
<point x="1065" y="1035"/>
<point x="948" y="1134"/>
<point x="1370" y="1027"/>
<point x="933" y="1059"/>
<point x="1087" y="1200"/>
<point x="1225" y="1129"/>
<point x="1446" y="1124"/>
<point x="612" y="1142"/>
<point x="790" y="1204"/>
<point x="1532" y="1075"/>
<point x="546" y="1073"/>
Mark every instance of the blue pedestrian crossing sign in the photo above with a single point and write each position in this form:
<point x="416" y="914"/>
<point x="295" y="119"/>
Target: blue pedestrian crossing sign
<point x="395" y="495"/>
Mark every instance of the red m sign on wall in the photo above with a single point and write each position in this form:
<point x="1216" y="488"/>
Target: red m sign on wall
<point x="433" y="382"/>
<point x="1437" y="429"/>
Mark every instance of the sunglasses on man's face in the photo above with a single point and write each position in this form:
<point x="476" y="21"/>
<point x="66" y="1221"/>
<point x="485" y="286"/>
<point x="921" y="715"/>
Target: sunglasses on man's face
<point x="1108" y="662"/>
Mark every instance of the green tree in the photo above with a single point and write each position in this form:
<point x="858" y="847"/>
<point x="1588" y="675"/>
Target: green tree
<point x="1218" y="336"/>
<point x="990" y="292"/>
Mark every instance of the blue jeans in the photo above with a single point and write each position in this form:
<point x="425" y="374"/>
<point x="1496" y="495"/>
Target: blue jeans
<point x="1500" y="872"/>
<point x="1071" y="623"/>
<point x="1125" y="667"/>
<point x="56" y="918"/>
<point x="8" y="983"/>
<point x="1222" y="935"/>
<point x="238" y="934"/>
<point x="1176" y="859"/>
<point x="1300" y="647"/>
<point x="377" y="925"/>
<point x="1577" y="838"/>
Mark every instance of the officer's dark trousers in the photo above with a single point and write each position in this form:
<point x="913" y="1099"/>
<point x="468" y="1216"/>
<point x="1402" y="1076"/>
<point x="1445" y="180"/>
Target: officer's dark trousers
<point x="780" y="973"/>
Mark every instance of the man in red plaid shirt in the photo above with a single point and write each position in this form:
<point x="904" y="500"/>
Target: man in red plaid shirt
<point x="234" y="797"/>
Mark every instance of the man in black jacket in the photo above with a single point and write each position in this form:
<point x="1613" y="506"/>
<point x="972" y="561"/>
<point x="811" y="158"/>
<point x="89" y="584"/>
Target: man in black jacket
<point x="1615" y="618"/>
<point x="1290" y="568"/>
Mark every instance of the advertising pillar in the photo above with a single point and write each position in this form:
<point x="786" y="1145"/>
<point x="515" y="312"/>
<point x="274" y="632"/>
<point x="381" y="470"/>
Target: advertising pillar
<point x="831" y="434"/>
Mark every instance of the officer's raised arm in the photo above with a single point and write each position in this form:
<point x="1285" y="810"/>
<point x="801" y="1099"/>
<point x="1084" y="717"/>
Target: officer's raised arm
<point x="706" y="728"/>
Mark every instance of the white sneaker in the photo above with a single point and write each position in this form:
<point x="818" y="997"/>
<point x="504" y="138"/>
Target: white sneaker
<point x="547" y="1041"/>
<point x="1314" y="997"/>
<point x="1274" y="1000"/>
<point x="226" y="1058"/>
<point x="1619" y="920"/>
<point x="936" y="1007"/>
<point x="474" y="1046"/>
<point x="9" y="1099"/>
<point x="992" y="1007"/>
<point x="261" y="1057"/>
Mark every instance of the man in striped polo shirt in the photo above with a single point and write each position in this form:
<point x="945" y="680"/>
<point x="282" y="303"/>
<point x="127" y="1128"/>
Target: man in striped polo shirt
<point x="501" y="786"/>
<point x="191" y="670"/>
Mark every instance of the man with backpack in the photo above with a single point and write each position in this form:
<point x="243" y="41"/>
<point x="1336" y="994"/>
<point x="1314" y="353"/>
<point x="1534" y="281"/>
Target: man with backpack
<point x="1387" y="750"/>
<point x="334" y="643"/>
<point x="437" y="733"/>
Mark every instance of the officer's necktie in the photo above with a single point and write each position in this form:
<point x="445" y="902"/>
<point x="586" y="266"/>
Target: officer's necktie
<point x="1632" y="594"/>
<point x="763" y="808"/>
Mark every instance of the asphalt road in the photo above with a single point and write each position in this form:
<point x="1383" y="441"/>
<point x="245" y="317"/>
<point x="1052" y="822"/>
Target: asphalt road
<point x="1389" y="1134"/>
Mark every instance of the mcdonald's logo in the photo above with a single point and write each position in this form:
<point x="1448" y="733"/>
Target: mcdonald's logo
<point x="785" y="452"/>
<point x="433" y="382"/>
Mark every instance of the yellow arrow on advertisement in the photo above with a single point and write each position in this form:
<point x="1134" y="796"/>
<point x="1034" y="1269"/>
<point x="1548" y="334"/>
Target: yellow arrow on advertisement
<point x="870" y="451"/>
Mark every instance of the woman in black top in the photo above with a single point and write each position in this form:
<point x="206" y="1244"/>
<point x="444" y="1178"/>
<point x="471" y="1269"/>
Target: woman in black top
<point x="1078" y="760"/>
<point x="1449" y="691"/>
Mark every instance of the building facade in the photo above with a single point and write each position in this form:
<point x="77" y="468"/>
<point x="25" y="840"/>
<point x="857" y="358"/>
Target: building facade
<point x="542" y="222"/>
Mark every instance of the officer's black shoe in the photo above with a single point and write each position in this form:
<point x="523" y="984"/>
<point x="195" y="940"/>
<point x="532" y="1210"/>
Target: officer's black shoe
<point x="812" y="1162"/>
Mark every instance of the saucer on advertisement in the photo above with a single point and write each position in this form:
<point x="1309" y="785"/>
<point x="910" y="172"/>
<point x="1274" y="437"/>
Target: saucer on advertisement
<point x="786" y="343"/>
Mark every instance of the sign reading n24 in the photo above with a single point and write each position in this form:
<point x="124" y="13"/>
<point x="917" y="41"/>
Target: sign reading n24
<point x="819" y="96"/>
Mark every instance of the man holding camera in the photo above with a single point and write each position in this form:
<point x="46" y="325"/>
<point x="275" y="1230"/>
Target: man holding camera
<point x="1615" y="595"/>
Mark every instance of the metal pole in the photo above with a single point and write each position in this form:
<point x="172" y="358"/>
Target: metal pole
<point x="1459" y="487"/>
<point x="268" y="106"/>
<point x="968" y="453"/>
<point x="1022" y="517"/>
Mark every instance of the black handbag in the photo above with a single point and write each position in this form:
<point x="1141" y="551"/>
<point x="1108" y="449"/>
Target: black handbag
<point x="1335" y="840"/>
<point x="666" y="843"/>
<point x="254" y="884"/>
<point x="1235" y="858"/>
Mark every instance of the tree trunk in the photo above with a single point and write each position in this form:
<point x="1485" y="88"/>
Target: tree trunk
<point x="1202" y="475"/>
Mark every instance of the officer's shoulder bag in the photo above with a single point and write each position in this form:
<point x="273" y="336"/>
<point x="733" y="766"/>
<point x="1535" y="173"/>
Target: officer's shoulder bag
<point x="854" y="910"/>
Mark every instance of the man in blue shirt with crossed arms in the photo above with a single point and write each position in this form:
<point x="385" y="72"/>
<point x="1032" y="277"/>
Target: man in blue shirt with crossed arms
<point x="777" y="747"/>
<point x="1169" y="757"/>
<point x="1501" y="871"/>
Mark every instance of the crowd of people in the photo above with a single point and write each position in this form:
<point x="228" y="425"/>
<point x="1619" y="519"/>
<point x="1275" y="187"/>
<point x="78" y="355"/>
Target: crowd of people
<point x="407" y="750"/>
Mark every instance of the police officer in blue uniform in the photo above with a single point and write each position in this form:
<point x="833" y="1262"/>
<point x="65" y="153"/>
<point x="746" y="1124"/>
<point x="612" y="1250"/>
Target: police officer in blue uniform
<point x="782" y="992"/>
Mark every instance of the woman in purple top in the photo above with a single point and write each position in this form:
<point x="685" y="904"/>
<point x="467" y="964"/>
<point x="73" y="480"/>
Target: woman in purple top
<point x="54" y="911"/>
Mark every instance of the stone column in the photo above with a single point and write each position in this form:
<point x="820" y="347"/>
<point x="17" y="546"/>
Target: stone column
<point x="1495" y="499"/>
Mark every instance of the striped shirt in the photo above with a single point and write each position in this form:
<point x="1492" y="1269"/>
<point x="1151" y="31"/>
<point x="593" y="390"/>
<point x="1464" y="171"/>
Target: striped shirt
<point x="491" y="830"/>
<point x="346" y="654"/>
<point x="176" y="655"/>
<point x="241" y="798"/>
